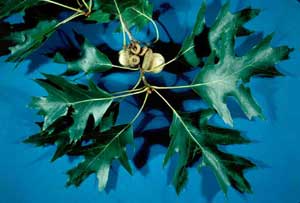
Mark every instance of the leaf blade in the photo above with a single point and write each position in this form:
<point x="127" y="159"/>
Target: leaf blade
<point x="63" y="95"/>
<point x="192" y="140"/>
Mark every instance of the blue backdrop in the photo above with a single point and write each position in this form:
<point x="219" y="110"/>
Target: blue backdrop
<point x="27" y="176"/>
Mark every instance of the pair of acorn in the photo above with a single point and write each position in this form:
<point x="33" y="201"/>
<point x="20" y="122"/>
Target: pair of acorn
<point x="136" y="56"/>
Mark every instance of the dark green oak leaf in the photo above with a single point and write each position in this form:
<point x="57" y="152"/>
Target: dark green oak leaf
<point x="102" y="148"/>
<point x="8" y="7"/>
<point x="191" y="56"/>
<point x="199" y="29"/>
<point x="110" y="117"/>
<point x="91" y="60"/>
<point x="98" y="156"/>
<point x="105" y="8"/>
<point x="228" y="76"/>
<point x="62" y="95"/>
<point x="57" y="133"/>
<point x="193" y="138"/>
<point x="99" y="16"/>
<point x="27" y="41"/>
<point x="134" y="18"/>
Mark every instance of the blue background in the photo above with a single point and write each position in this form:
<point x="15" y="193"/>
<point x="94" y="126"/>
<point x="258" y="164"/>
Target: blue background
<point x="27" y="176"/>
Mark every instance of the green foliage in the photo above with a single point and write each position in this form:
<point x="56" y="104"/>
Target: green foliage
<point x="91" y="60"/>
<point x="63" y="95"/>
<point x="80" y="120"/>
<point x="29" y="40"/>
<point x="131" y="17"/>
<point x="9" y="7"/>
<point x="191" y="56"/>
<point x="193" y="137"/>
<point x="228" y="76"/>
<point x="109" y="145"/>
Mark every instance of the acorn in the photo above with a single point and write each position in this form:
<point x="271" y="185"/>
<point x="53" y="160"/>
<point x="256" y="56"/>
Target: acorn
<point x="134" y="60"/>
<point x="146" y="66"/>
<point x="143" y="52"/>
<point x="135" y="48"/>
<point x="153" y="62"/>
<point x="158" y="62"/>
<point x="124" y="57"/>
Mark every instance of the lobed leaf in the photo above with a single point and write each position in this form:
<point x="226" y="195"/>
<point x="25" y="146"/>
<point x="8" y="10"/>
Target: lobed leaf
<point x="91" y="60"/>
<point x="132" y="18"/>
<point x="193" y="138"/>
<point x="226" y="74"/>
<point x="103" y="148"/>
<point x="27" y="41"/>
<point x="58" y="133"/>
<point x="98" y="157"/>
<point x="189" y="43"/>
<point x="9" y="7"/>
<point x="63" y="95"/>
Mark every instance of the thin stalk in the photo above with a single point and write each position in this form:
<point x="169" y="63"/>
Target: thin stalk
<point x="180" y="119"/>
<point x="152" y="21"/>
<point x="185" y="51"/>
<point x="64" y="6"/>
<point x="138" y="82"/>
<point x="130" y="36"/>
<point x="165" y="100"/>
<point x="79" y="4"/>
<point x="120" y="133"/>
<point x="171" y="87"/>
<point x="186" y="86"/>
<point x="75" y="15"/>
<point x="141" y="109"/>
<point x="128" y="91"/>
<point x="85" y="4"/>
<point x="108" y="98"/>
<point x="134" y="88"/>
<point x="165" y="30"/>
<point x="176" y="57"/>
<point x="122" y="23"/>
<point x="122" y="67"/>
<point x="90" y="5"/>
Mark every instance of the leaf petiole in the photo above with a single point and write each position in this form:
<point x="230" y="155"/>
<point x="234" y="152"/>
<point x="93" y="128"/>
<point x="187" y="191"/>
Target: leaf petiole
<point x="151" y="20"/>
<point x="186" y="86"/>
<point x="175" y="58"/>
<point x="85" y="4"/>
<point x="128" y="91"/>
<point x="141" y="108"/>
<point x="123" y="130"/>
<point x="75" y="15"/>
<point x="109" y="98"/>
<point x="121" y="67"/>
<point x="139" y="81"/>
<point x="64" y="6"/>
<point x="180" y="119"/>
<point x="90" y="5"/>
<point x="122" y="23"/>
